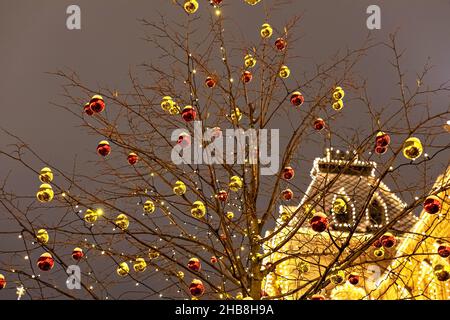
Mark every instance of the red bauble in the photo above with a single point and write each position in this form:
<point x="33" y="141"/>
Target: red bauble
<point x="444" y="251"/>
<point x="288" y="173"/>
<point x="388" y="240"/>
<point x="2" y="281"/>
<point x="380" y="150"/>
<point x="87" y="109"/>
<point x="377" y="243"/>
<point x="247" y="76"/>
<point x="132" y="158"/>
<point x="214" y="259"/>
<point x="45" y="262"/>
<point x="77" y="254"/>
<point x="319" y="222"/>
<point x="103" y="148"/>
<point x="222" y="195"/>
<point x="281" y="44"/>
<point x="297" y="99"/>
<point x="196" y="288"/>
<point x="210" y="82"/>
<point x="432" y="205"/>
<point x="353" y="279"/>
<point x="317" y="297"/>
<point x="194" y="264"/>
<point x="216" y="2"/>
<point x="319" y="124"/>
<point x="97" y="104"/>
<point x="287" y="194"/>
<point x="382" y="139"/>
<point x="188" y="114"/>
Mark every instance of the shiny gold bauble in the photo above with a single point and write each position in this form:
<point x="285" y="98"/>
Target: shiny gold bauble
<point x="284" y="72"/>
<point x="338" y="94"/>
<point x="236" y="183"/>
<point x="123" y="269"/>
<point x="167" y="103"/>
<point x="46" y="175"/>
<point x="337" y="105"/>
<point x="412" y="148"/>
<point x="236" y="115"/>
<point x="149" y="207"/>
<point x="339" y="206"/>
<point x="191" y="6"/>
<point x="198" y="209"/>
<point x="179" y="188"/>
<point x="90" y="216"/>
<point x="122" y="221"/>
<point x="252" y="2"/>
<point x="266" y="31"/>
<point x="139" y="265"/>
<point x="45" y="193"/>
<point x="338" y="277"/>
<point x="42" y="236"/>
<point x="230" y="215"/>
<point x="249" y="61"/>
<point x="153" y="254"/>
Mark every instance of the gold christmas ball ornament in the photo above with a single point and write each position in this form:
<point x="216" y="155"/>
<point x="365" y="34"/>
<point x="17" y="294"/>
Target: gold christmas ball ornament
<point x="338" y="94"/>
<point x="337" y="277"/>
<point x="252" y="2"/>
<point x="230" y="215"/>
<point x="90" y="216"/>
<point x="191" y="6"/>
<point x="236" y="183"/>
<point x="249" y="61"/>
<point x="42" y="236"/>
<point x="239" y="296"/>
<point x="167" y="103"/>
<point x="266" y="31"/>
<point x="179" y="188"/>
<point x="236" y="115"/>
<point x="122" y="221"/>
<point x="285" y="216"/>
<point x="412" y="148"/>
<point x="284" y="72"/>
<point x="442" y="272"/>
<point x="379" y="252"/>
<point x="149" y="207"/>
<point x="153" y="254"/>
<point x="180" y="275"/>
<point x="123" y="269"/>
<point x="46" y="175"/>
<point x="45" y="193"/>
<point x="303" y="267"/>
<point x="337" y="105"/>
<point x="339" y="206"/>
<point x="139" y="265"/>
<point x="198" y="209"/>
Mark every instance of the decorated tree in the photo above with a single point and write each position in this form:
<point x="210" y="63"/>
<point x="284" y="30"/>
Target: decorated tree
<point x="171" y="213"/>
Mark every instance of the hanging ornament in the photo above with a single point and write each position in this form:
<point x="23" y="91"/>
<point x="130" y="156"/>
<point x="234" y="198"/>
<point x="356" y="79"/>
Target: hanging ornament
<point x="103" y="148"/>
<point x="42" y="236"/>
<point x="196" y="288"/>
<point x="432" y="205"/>
<point x="303" y="267"/>
<point x="216" y="2"/>
<point x="180" y="275"/>
<point x="210" y="82"/>
<point x="174" y="109"/>
<point x="444" y="251"/>
<point x="230" y="215"/>
<point x="90" y="216"/>
<point x="189" y="113"/>
<point x="214" y="259"/>
<point x="379" y="252"/>
<point x="285" y="216"/>
<point x="140" y="265"/>
<point x="380" y="150"/>
<point x="198" y="209"/>
<point x="194" y="264"/>
<point x="132" y="158"/>
<point x="382" y="139"/>
<point x="412" y="148"/>
<point x="122" y="222"/>
<point x="179" y="188"/>
<point x="123" y="269"/>
<point x="167" y="103"/>
<point x="338" y="94"/>
<point x="377" y="243"/>
<point x="337" y="105"/>
<point x="353" y="279"/>
<point x="190" y="6"/>
<point x="252" y="2"/>
<point x="77" y="254"/>
<point x="184" y="140"/>
<point x="222" y="195"/>
<point x="247" y="76"/>
<point x="45" y="193"/>
<point x="236" y="183"/>
<point x="266" y="31"/>
<point x="45" y="262"/>
<point x="2" y="281"/>
<point x="388" y="240"/>
<point x="284" y="72"/>
<point x="288" y="173"/>
<point x="46" y="175"/>
<point x="149" y="207"/>
<point x="442" y="272"/>
<point x="87" y="109"/>
<point x="287" y="194"/>
<point x="236" y="115"/>
<point x="317" y="297"/>
<point x="339" y="206"/>
<point x="319" y="124"/>
<point x="297" y="99"/>
<point x="319" y="222"/>
<point x="249" y="61"/>
<point x="280" y="44"/>
<point x="97" y="104"/>
<point x="153" y="253"/>
<point x="337" y="277"/>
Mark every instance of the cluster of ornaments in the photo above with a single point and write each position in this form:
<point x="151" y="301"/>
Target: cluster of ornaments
<point x="382" y="142"/>
<point x="338" y="96"/>
<point x="45" y="192"/>
<point x="385" y="242"/>
<point x="95" y="105"/>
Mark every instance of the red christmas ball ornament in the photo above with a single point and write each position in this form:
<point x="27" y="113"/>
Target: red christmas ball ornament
<point x="87" y="109"/>
<point x="297" y="99"/>
<point x="2" y="281"/>
<point x="281" y="44"/>
<point x="432" y="205"/>
<point x="194" y="264"/>
<point x="317" y="297"/>
<point x="319" y="222"/>
<point x="377" y="243"/>
<point x="214" y="259"/>
<point x="287" y="194"/>
<point x="222" y="195"/>
<point x="288" y="173"/>
<point x="388" y="240"/>
<point x="132" y="158"/>
<point x="444" y="251"/>
<point x="380" y="150"/>
<point x="45" y="262"/>
<point x="97" y="104"/>
<point x="382" y="139"/>
<point x="103" y="148"/>
<point x="196" y="288"/>
<point x="210" y="82"/>
<point x="353" y="279"/>
<point x="77" y="254"/>
<point x="319" y="124"/>
<point x="247" y="76"/>
<point x="215" y="2"/>
<point x="188" y="114"/>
